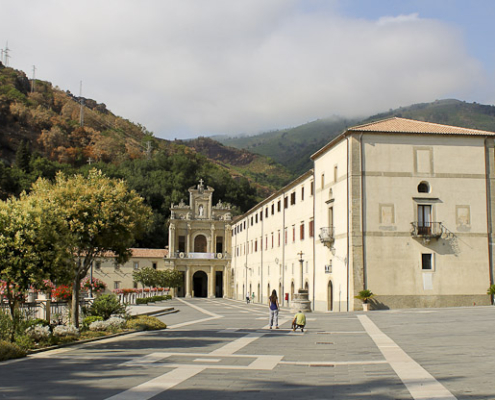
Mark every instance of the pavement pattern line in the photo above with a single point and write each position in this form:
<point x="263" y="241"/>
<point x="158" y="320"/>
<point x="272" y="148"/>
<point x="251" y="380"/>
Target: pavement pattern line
<point x="420" y="383"/>
<point x="181" y="373"/>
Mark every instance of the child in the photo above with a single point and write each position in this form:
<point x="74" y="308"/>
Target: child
<point x="299" y="321"/>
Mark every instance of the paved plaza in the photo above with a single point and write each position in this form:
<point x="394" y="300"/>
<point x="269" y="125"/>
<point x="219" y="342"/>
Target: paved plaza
<point x="223" y="349"/>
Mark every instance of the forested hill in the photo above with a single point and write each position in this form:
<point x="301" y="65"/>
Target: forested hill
<point x="42" y="132"/>
<point x="293" y="147"/>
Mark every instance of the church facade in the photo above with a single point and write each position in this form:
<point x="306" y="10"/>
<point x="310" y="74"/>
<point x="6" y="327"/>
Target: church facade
<point x="199" y="244"/>
<point x="403" y="208"/>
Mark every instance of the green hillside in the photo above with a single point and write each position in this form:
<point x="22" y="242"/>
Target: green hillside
<point x="293" y="147"/>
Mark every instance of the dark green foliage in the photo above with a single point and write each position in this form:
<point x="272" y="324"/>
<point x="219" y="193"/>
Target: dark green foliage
<point x="106" y="305"/>
<point x="23" y="157"/>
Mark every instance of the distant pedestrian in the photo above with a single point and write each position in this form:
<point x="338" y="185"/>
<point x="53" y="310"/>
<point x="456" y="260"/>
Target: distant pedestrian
<point x="299" y="321"/>
<point x="274" y="307"/>
<point x="248" y="298"/>
<point x="252" y="297"/>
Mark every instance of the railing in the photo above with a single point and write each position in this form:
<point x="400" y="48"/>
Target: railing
<point x="202" y="256"/>
<point x="327" y="235"/>
<point x="427" y="230"/>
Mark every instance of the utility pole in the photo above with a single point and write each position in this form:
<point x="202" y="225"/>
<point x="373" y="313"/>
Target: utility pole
<point x="149" y="150"/>
<point x="6" y="54"/>
<point x="81" y="112"/>
<point x="34" y="75"/>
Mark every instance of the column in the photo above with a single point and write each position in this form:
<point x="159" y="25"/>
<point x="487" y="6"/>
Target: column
<point x="188" y="282"/>
<point x="188" y="238"/>
<point x="211" y="283"/>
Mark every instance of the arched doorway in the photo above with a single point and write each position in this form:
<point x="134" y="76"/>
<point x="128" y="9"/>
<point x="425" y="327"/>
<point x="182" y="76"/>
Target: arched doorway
<point x="180" y="289"/>
<point x="306" y="286"/>
<point x="200" y="244"/>
<point x="200" y="284"/>
<point x="330" y="296"/>
<point x="292" y="290"/>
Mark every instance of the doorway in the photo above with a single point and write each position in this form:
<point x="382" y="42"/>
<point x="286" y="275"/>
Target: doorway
<point x="200" y="284"/>
<point x="218" y="283"/>
<point x="330" y="296"/>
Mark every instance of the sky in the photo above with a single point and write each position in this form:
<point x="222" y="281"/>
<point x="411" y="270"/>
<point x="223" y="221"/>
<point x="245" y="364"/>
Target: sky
<point x="189" y="68"/>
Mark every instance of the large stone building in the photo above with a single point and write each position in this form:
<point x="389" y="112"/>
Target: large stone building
<point x="199" y="244"/>
<point x="401" y="207"/>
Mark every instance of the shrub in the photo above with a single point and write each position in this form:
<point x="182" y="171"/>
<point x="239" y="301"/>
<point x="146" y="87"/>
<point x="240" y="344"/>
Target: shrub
<point x="98" y="326"/>
<point x="142" y="301"/>
<point x="116" y="322"/>
<point x="38" y="321"/>
<point x="89" y="320"/>
<point x="65" y="330"/>
<point x="106" y="305"/>
<point x="10" y="350"/>
<point x="38" y="332"/>
<point x="145" y="323"/>
<point x="25" y="342"/>
<point x="5" y="325"/>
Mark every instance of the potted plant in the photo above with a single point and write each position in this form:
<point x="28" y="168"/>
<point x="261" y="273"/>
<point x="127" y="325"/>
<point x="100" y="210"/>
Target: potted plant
<point x="491" y="292"/>
<point x="364" y="296"/>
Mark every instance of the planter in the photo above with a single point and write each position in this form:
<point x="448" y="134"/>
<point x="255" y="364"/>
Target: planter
<point x="366" y="306"/>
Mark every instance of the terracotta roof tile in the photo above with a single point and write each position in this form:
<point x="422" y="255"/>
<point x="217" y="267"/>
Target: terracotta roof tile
<point x="403" y="125"/>
<point x="143" y="253"/>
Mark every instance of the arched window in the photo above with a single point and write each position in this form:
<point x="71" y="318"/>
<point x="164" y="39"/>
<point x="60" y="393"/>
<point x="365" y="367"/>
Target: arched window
<point x="200" y="244"/>
<point x="424" y="187"/>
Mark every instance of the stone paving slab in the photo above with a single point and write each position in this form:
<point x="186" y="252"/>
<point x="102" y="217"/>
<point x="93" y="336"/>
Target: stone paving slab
<point x="221" y="349"/>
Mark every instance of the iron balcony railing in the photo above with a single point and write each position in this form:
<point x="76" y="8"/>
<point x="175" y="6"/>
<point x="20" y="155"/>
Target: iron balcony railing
<point x="427" y="229"/>
<point x="327" y="235"/>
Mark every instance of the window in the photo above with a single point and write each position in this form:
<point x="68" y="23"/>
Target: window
<point x="424" y="219"/>
<point x="219" y="246"/>
<point x="424" y="187"/>
<point x="273" y="209"/>
<point x="98" y="265"/>
<point x="301" y="231"/>
<point x="322" y="181"/>
<point x="312" y="188"/>
<point x="427" y="261"/>
<point x="335" y="173"/>
<point x="266" y="212"/>
<point x="293" y="198"/>
<point x="154" y="265"/>
<point x="302" y="193"/>
<point x="293" y="233"/>
<point x="182" y="244"/>
<point x="278" y="239"/>
<point x="279" y="205"/>
<point x="285" y="238"/>
<point x="261" y="215"/>
<point x="252" y="221"/>
<point x="272" y="240"/>
<point x="256" y="218"/>
<point x="266" y="242"/>
<point x="134" y="285"/>
<point x="311" y="228"/>
<point x="116" y="285"/>
<point x="286" y="202"/>
<point x="256" y="245"/>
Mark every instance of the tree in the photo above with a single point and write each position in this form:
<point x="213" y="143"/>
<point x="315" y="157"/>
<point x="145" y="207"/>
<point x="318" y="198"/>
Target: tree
<point x="101" y="216"/>
<point x="145" y="276"/>
<point x="31" y="247"/>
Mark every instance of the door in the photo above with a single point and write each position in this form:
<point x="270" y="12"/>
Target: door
<point x="424" y="219"/>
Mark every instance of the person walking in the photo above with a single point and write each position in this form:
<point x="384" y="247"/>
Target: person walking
<point x="248" y="298"/>
<point x="274" y="307"/>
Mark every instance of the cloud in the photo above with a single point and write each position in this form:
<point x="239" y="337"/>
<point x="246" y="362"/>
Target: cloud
<point x="185" y="68"/>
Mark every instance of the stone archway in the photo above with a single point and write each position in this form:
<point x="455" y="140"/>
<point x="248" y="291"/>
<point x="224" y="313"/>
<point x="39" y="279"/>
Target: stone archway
<point x="330" y="296"/>
<point x="200" y="284"/>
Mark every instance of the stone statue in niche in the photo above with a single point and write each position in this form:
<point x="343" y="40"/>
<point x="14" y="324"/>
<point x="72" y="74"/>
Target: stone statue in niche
<point x="201" y="210"/>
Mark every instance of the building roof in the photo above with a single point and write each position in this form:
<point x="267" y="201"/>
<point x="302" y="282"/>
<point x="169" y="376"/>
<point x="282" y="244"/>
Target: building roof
<point x="143" y="253"/>
<point x="403" y="125"/>
<point x="396" y="125"/>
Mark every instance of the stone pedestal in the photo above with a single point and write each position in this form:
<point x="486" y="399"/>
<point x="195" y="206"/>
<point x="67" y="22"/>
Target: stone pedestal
<point x="301" y="302"/>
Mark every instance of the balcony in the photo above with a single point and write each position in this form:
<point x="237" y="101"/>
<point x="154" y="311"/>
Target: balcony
<point x="327" y="236"/>
<point x="427" y="230"/>
<point x="200" y="256"/>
